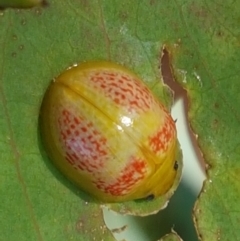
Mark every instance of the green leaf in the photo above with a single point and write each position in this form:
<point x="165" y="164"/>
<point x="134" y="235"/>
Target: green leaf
<point x="36" y="45"/>
<point x="21" y="3"/>
<point x="171" y="237"/>
<point x="209" y="55"/>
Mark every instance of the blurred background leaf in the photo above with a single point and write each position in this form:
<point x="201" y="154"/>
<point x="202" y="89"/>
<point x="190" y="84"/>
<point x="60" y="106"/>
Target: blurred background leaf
<point x="21" y="3"/>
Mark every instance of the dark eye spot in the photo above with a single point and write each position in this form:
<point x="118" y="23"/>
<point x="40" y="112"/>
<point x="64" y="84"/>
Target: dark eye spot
<point x="175" y="165"/>
<point x="150" y="197"/>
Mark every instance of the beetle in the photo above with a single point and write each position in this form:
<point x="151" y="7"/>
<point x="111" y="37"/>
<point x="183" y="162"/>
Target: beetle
<point x="105" y="131"/>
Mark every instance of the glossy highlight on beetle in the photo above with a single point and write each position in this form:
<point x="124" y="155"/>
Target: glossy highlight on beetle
<point x="106" y="131"/>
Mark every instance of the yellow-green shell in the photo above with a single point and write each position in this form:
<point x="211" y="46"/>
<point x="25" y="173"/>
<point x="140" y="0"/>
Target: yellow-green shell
<point x="104" y="129"/>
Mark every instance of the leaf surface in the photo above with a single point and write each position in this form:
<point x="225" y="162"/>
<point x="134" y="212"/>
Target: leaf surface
<point x="38" y="44"/>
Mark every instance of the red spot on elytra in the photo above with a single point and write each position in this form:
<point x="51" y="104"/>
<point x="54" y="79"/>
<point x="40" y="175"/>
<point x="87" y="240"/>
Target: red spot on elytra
<point x="85" y="148"/>
<point x="123" y="89"/>
<point x="132" y="173"/>
<point x="88" y="152"/>
<point x="160" y="141"/>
